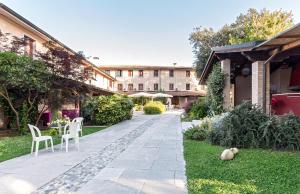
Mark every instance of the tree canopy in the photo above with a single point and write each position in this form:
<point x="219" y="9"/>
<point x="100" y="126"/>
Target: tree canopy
<point x="251" y="26"/>
<point x="27" y="82"/>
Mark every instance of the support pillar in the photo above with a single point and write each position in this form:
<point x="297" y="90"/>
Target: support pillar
<point x="258" y="87"/>
<point x="268" y="93"/>
<point x="225" y="67"/>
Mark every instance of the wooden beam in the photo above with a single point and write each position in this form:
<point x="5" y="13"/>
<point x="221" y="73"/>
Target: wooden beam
<point x="290" y="45"/>
<point x="290" y="36"/>
<point x="256" y="55"/>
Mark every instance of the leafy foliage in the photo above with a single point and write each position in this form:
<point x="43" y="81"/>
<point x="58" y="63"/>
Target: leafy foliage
<point x="281" y="133"/>
<point x="254" y="25"/>
<point x="138" y="107"/>
<point x="259" y="25"/>
<point x="196" y="133"/>
<point x="247" y="126"/>
<point x="214" y="95"/>
<point x="154" y="107"/>
<point x="198" y="109"/>
<point x="203" y="39"/>
<point x="20" y="75"/>
<point x="108" y="110"/>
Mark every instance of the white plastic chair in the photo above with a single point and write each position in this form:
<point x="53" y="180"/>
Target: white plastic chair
<point x="70" y="132"/>
<point x="37" y="137"/>
<point x="80" y="120"/>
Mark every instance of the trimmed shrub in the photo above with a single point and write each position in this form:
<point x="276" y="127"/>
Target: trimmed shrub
<point x="154" y="107"/>
<point x="108" y="110"/>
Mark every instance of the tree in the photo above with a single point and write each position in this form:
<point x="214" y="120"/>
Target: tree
<point x="38" y="81"/>
<point x="21" y="75"/>
<point x="254" y="25"/>
<point x="259" y="25"/>
<point x="203" y="39"/>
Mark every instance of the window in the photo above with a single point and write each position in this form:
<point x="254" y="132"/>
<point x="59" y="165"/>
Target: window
<point x="155" y="73"/>
<point x="171" y="73"/>
<point x="171" y="86"/>
<point x="120" y="87"/>
<point x="130" y="73"/>
<point x="130" y="87"/>
<point x="29" y="46"/>
<point x="141" y="87"/>
<point x="187" y="86"/>
<point x="107" y="72"/>
<point x="119" y="73"/>
<point x="188" y="73"/>
<point x="155" y="87"/>
<point x="110" y="83"/>
<point x="141" y="73"/>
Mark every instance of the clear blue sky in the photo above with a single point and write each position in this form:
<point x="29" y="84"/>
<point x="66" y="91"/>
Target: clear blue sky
<point x="136" y="31"/>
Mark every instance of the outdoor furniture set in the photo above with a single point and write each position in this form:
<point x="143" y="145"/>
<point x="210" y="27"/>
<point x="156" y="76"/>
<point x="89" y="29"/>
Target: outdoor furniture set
<point x="71" y="131"/>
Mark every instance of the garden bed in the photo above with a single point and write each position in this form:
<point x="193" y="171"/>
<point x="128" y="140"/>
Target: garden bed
<point x="252" y="171"/>
<point x="11" y="147"/>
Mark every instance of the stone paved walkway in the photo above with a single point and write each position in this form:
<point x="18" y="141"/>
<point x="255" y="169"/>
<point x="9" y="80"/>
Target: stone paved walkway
<point x="143" y="155"/>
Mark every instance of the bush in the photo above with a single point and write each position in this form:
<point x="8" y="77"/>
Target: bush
<point x="247" y="126"/>
<point x="241" y="126"/>
<point x="108" y="110"/>
<point x="138" y="107"/>
<point x="198" y="109"/>
<point x="53" y="132"/>
<point x="196" y="133"/>
<point x="154" y="107"/>
<point x="281" y="133"/>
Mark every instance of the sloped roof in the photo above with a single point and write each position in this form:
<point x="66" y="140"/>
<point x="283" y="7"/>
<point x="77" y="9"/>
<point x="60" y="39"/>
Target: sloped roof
<point x="286" y="37"/>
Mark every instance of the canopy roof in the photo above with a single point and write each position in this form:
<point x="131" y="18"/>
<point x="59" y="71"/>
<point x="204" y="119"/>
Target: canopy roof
<point x="162" y="95"/>
<point x="277" y="48"/>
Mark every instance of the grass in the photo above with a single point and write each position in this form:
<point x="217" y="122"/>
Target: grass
<point x="252" y="170"/>
<point x="11" y="147"/>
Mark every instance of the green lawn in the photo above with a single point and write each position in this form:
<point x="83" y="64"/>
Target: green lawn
<point x="252" y="171"/>
<point x="11" y="147"/>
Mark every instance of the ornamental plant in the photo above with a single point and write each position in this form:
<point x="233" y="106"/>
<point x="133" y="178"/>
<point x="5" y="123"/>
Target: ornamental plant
<point x="154" y="107"/>
<point x="108" y="110"/>
<point x="214" y="96"/>
<point x="246" y="126"/>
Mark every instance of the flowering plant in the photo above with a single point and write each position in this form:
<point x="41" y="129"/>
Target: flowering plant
<point x="62" y="121"/>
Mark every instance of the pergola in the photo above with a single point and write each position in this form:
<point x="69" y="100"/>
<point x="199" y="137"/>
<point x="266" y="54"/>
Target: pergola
<point x="252" y="68"/>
